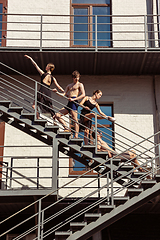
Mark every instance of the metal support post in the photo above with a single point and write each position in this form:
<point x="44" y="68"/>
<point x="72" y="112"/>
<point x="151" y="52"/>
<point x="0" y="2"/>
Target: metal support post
<point x="41" y="33"/>
<point x="96" y="131"/>
<point x="54" y="164"/>
<point x="108" y="189"/>
<point x="112" y="201"/>
<point x="35" y="102"/>
<point x="96" y="44"/>
<point x="39" y="219"/>
<point x="145" y="32"/>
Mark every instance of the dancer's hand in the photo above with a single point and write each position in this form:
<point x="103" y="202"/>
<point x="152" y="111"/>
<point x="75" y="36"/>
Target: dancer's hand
<point x="27" y="56"/>
<point x="111" y="119"/>
<point x="54" y="90"/>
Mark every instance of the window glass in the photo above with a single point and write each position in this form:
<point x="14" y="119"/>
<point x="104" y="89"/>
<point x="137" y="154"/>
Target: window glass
<point x="103" y="26"/>
<point x="1" y="11"/>
<point x="106" y="131"/>
<point x="81" y="26"/>
<point x="92" y="1"/>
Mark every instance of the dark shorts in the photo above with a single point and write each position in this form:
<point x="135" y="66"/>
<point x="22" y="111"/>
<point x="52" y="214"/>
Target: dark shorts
<point x="72" y="106"/>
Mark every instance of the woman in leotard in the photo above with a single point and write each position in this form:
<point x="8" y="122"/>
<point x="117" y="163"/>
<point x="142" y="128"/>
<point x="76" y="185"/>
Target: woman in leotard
<point x="88" y="103"/>
<point x="44" y="99"/>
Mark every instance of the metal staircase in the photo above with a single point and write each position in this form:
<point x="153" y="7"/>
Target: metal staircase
<point x="134" y="186"/>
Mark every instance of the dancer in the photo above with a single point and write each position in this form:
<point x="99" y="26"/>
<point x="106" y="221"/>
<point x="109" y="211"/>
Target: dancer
<point x="88" y="103"/>
<point x="102" y="146"/>
<point x="74" y="91"/>
<point x="44" y="99"/>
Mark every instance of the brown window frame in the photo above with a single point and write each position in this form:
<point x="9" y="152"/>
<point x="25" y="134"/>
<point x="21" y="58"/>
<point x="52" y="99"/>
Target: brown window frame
<point x="92" y="173"/>
<point x="4" y="22"/>
<point x="89" y="6"/>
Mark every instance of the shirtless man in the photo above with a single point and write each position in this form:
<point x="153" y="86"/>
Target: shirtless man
<point x="74" y="91"/>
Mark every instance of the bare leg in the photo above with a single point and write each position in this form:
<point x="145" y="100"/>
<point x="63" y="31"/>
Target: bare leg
<point x="59" y="115"/>
<point x="86" y="135"/>
<point x="33" y="106"/>
<point x="76" y="125"/>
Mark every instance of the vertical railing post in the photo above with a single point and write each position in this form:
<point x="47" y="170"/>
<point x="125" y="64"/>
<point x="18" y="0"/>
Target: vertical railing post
<point x="108" y="189"/>
<point x="35" y="101"/>
<point x="54" y="164"/>
<point x="96" y="131"/>
<point x="145" y="31"/>
<point x="111" y="162"/>
<point x="37" y="173"/>
<point x="39" y="219"/>
<point x="42" y="225"/>
<point x="10" y="185"/>
<point x="41" y="33"/>
<point x="96" y="44"/>
<point x="99" y="185"/>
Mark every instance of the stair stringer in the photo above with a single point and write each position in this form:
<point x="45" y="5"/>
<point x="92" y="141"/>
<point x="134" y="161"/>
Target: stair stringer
<point x="116" y="214"/>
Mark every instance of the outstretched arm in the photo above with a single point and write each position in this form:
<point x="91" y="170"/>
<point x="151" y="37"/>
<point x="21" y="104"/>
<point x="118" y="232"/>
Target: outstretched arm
<point x="57" y="85"/>
<point x="35" y="64"/>
<point x="104" y="115"/>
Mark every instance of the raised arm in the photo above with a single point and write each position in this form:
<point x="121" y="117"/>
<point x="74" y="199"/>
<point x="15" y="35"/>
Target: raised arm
<point x="35" y="65"/>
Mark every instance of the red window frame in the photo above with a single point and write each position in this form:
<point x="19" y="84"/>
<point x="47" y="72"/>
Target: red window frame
<point x="4" y="22"/>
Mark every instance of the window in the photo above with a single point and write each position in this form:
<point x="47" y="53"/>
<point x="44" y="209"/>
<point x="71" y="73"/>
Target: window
<point x="91" y="21"/>
<point x="77" y="168"/>
<point x="3" y="22"/>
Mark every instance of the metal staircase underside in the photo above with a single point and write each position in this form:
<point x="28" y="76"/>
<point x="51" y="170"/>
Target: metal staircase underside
<point x="114" y="215"/>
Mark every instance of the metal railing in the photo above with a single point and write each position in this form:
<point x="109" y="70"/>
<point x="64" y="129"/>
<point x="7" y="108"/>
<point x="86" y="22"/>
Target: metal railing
<point x="40" y="31"/>
<point x="22" y="94"/>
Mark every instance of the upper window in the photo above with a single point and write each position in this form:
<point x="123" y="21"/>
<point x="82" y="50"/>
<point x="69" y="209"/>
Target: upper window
<point x="91" y="23"/>
<point x="3" y="22"/>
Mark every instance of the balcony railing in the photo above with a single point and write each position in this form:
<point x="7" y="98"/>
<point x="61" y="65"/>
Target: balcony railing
<point x="63" y="32"/>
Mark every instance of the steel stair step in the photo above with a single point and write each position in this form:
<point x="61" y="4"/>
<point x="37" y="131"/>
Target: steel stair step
<point x="16" y="109"/>
<point x="137" y="175"/>
<point x="105" y="208"/>
<point x="90" y="148"/>
<point x="145" y="184"/>
<point x="65" y="135"/>
<point x="5" y="103"/>
<point x="157" y="178"/>
<point x="51" y="128"/>
<point x="103" y="155"/>
<point x="77" y="141"/>
<point x="77" y="226"/>
<point x="118" y="200"/>
<point x="91" y="217"/>
<point x="62" y="235"/>
<point x="28" y="116"/>
<point x="40" y="122"/>
<point x="132" y="192"/>
<point x="126" y="168"/>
